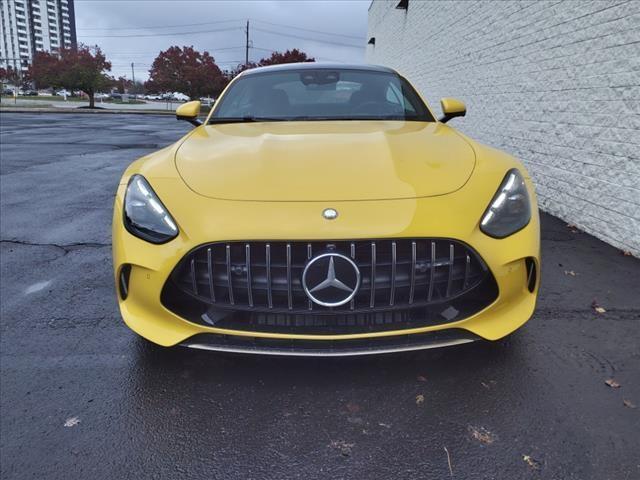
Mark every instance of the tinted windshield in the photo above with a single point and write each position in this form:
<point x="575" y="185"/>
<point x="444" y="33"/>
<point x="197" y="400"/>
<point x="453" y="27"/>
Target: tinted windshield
<point x="321" y="94"/>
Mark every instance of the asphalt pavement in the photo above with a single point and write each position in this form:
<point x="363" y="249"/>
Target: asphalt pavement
<point x="31" y="102"/>
<point x="81" y="397"/>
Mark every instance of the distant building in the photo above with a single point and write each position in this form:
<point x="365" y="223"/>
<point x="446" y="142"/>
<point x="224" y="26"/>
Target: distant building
<point x="29" y="26"/>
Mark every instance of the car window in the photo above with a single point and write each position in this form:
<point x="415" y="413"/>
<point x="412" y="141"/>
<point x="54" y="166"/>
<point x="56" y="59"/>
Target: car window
<point x="321" y="94"/>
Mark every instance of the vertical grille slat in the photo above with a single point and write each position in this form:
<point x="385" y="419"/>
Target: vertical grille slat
<point x="247" y="257"/>
<point x="309" y="255"/>
<point x="194" y="280"/>
<point x="372" y="302"/>
<point x="229" y="279"/>
<point x="412" y="287"/>
<point x="393" y="274"/>
<point x="268" y="267"/>
<point x="212" y="292"/>
<point x="451" y="260"/>
<point x="266" y="276"/>
<point x="467" y="267"/>
<point x="289" y="295"/>
<point x="352" y="248"/>
<point x="432" y="270"/>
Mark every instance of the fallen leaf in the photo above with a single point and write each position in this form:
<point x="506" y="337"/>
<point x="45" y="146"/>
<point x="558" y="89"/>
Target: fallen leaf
<point x="421" y="378"/>
<point x="612" y="383"/>
<point x="482" y="435"/>
<point x="419" y="399"/>
<point x="597" y="308"/>
<point x="531" y="461"/>
<point x="353" y="407"/>
<point x="626" y="253"/>
<point x="570" y="272"/>
<point x="71" y="422"/>
<point x="629" y="404"/>
<point x="385" y="425"/>
<point x="344" y="447"/>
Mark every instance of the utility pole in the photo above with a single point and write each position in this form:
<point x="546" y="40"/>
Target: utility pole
<point x="246" y="46"/>
<point x="133" y="79"/>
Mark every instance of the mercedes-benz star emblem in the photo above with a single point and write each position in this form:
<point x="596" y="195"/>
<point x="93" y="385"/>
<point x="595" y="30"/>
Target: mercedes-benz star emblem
<point x="330" y="213"/>
<point x="331" y="279"/>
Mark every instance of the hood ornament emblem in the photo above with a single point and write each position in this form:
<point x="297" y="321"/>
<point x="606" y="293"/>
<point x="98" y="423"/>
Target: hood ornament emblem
<point x="330" y="213"/>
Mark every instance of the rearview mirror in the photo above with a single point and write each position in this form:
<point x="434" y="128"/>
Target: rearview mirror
<point x="189" y="111"/>
<point x="452" y="108"/>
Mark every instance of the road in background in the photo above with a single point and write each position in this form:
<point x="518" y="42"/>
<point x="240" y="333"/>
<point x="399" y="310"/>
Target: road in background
<point x="32" y="102"/>
<point x="82" y="397"/>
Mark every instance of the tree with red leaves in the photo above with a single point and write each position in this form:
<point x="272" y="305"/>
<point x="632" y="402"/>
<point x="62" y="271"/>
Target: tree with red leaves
<point x="185" y="70"/>
<point x="122" y="85"/>
<point x="290" y="56"/>
<point x="9" y="75"/>
<point x="239" y="69"/>
<point x="81" y="68"/>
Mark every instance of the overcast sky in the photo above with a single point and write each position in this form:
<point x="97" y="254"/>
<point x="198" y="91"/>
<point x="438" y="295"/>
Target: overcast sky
<point x="136" y="31"/>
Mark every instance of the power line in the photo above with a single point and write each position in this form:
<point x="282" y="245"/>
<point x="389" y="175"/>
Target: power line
<point x="159" y="34"/>
<point x="144" y="27"/>
<point x="121" y="54"/>
<point x="333" y="34"/>
<point x="161" y="26"/>
<point x="307" y="38"/>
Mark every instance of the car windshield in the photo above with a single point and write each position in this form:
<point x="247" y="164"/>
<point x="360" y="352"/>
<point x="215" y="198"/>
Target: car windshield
<point x="320" y="94"/>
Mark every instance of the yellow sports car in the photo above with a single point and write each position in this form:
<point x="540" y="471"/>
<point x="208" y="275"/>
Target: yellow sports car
<point x="323" y="210"/>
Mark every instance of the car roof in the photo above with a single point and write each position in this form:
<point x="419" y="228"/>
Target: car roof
<point x="285" y="67"/>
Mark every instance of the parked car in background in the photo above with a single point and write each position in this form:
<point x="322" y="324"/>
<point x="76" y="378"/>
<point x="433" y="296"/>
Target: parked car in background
<point x="180" y="97"/>
<point x="63" y="93"/>
<point x="208" y="100"/>
<point x="28" y="93"/>
<point x="102" y="96"/>
<point x="153" y="97"/>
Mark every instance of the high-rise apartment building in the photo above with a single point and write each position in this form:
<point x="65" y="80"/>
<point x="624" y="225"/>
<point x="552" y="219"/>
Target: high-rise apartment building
<point x="29" y="26"/>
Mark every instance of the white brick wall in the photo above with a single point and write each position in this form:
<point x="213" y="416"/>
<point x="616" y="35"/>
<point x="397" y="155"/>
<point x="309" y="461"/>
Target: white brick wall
<point x="555" y="83"/>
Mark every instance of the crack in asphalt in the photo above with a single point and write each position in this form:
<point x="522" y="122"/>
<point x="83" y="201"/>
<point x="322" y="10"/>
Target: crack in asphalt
<point x="611" y="313"/>
<point x="67" y="247"/>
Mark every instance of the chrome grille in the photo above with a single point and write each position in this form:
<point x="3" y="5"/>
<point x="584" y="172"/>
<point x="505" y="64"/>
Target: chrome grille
<point x="266" y="276"/>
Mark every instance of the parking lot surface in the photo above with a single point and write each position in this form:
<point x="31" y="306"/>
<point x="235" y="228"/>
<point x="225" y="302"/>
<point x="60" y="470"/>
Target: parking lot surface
<point x="82" y="397"/>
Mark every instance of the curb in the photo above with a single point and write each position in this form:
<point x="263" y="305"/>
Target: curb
<point x="85" y="111"/>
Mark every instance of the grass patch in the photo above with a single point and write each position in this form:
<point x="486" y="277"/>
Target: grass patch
<point x="11" y="105"/>
<point x="120" y="102"/>
<point x="49" y="98"/>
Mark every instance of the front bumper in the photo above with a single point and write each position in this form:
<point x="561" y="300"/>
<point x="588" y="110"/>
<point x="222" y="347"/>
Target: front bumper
<point x="203" y="220"/>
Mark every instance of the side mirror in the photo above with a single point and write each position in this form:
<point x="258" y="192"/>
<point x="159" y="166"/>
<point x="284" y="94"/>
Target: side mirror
<point x="189" y="111"/>
<point x="452" y="108"/>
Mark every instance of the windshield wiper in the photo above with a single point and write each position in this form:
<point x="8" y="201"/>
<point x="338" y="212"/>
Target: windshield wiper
<point x="245" y="119"/>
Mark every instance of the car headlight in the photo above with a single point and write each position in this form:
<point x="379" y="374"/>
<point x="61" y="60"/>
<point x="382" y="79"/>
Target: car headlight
<point x="509" y="210"/>
<point x="144" y="214"/>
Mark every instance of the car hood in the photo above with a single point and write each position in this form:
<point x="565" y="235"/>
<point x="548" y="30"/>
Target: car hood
<point x="325" y="161"/>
